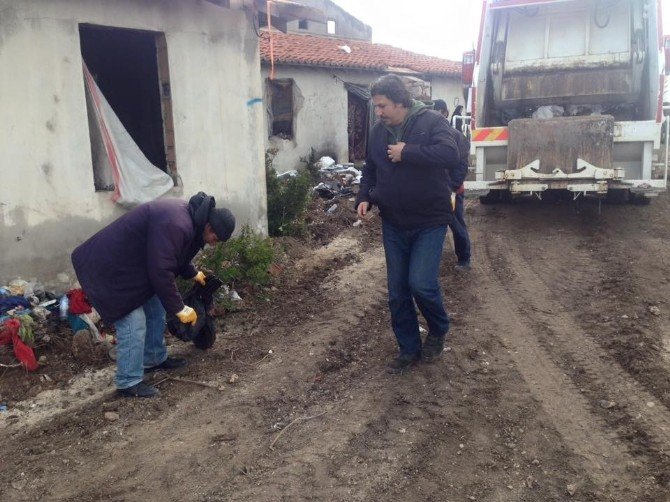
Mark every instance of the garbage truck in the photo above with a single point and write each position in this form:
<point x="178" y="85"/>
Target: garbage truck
<point x="566" y="96"/>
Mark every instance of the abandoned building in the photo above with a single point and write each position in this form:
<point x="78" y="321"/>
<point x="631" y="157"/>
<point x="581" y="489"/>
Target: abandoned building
<point x="182" y="77"/>
<point x="316" y="87"/>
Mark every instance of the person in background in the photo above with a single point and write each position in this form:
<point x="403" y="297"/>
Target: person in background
<point x="458" y="227"/>
<point x="127" y="270"/>
<point x="457" y="123"/>
<point x="440" y="106"/>
<point x="412" y="155"/>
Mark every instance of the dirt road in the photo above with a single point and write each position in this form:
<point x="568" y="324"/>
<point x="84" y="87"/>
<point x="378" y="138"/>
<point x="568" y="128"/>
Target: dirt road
<point x="555" y="384"/>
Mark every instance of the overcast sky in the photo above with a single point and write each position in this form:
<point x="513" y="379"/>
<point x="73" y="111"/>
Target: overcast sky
<point x="442" y="28"/>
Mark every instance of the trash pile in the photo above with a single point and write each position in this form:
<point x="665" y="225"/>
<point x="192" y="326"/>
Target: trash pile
<point x="338" y="179"/>
<point x="26" y="309"/>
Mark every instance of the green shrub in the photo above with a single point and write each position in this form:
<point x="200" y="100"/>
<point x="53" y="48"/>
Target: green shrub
<point x="287" y="201"/>
<point x="243" y="261"/>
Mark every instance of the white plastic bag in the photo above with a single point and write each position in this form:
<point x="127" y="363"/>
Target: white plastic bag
<point x="136" y="180"/>
<point x="548" y="112"/>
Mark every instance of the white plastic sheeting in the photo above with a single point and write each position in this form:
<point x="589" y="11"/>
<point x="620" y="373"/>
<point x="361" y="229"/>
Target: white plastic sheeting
<point x="135" y="179"/>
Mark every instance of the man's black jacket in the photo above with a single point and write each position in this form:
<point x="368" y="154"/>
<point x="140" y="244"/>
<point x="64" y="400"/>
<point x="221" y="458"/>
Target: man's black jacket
<point x="414" y="193"/>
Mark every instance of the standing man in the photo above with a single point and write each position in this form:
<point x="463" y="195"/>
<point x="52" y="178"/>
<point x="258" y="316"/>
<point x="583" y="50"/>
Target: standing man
<point x="458" y="227"/>
<point x="440" y="106"/>
<point x="128" y="270"/>
<point x="411" y="153"/>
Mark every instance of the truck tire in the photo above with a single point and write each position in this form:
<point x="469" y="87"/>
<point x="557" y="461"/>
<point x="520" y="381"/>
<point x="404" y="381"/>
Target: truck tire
<point x="639" y="199"/>
<point x="617" y="196"/>
<point x="495" y="197"/>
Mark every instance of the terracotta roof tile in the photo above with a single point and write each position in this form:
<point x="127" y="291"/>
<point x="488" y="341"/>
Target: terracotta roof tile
<point x="314" y="50"/>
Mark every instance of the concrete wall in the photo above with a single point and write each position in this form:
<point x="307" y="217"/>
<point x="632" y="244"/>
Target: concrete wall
<point x="48" y="204"/>
<point x="448" y="89"/>
<point x="320" y="112"/>
<point x="346" y="25"/>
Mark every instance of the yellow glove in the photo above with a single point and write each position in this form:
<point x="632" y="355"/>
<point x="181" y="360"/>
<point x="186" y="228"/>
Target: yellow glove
<point x="453" y="202"/>
<point x="187" y="315"/>
<point x="200" y="277"/>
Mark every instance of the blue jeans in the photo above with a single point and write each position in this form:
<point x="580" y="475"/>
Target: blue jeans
<point x="139" y="342"/>
<point x="460" y="232"/>
<point x="412" y="267"/>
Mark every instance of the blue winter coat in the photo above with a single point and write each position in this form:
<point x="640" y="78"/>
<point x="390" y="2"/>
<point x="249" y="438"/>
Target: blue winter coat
<point x="414" y="193"/>
<point x="140" y="254"/>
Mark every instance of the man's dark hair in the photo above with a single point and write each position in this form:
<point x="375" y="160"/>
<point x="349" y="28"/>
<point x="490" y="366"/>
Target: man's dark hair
<point x="393" y="88"/>
<point x="440" y="106"/>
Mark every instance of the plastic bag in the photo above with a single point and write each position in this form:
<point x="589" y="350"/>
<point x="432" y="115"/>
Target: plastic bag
<point x="136" y="180"/>
<point x="548" y="112"/>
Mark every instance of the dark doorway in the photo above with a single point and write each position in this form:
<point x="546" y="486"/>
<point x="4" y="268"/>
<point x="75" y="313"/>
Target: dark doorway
<point x="129" y="66"/>
<point x="357" y="127"/>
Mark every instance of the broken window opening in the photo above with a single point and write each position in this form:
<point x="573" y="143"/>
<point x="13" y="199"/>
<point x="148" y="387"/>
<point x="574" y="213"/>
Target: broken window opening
<point x="280" y="94"/>
<point x="303" y="24"/>
<point x="130" y="68"/>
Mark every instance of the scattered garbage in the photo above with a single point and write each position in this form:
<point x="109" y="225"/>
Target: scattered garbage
<point x="288" y="174"/>
<point x="325" y="162"/>
<point x="63" y="307"/>
<point x="25" y="309"/>
<point x="338" y="179"/>
<point x="548" y="112"/>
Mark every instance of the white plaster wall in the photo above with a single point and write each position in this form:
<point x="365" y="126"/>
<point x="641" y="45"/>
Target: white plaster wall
<point x="448" y="89"/>
<point x="48" y="204"/>
<point x="320" y="121"/>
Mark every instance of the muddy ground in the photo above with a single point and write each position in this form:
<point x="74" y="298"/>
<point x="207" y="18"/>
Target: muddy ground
<point x="555" y="384"/>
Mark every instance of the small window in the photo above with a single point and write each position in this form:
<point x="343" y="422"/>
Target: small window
<point x="280" y="93"/>
<point x="303" y="24"/>
<point x="331" y="27"/>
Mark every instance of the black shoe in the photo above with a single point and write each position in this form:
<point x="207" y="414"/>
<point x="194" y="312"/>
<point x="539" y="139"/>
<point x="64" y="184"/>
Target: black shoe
<point x="432" y="348"/>
<point x="138" y="390"/>
<point x="463" y="266"/>
<point x="170" y="363"/>
<point x="402" y="363"/>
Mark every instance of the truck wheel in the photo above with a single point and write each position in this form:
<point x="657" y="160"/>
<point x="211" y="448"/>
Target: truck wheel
<point x="639" y="199"/>
<point x="617" y="196"/>
<point x="493" y="197"/>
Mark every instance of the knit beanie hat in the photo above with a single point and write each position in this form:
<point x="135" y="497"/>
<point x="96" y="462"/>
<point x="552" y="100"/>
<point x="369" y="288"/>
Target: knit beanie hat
<point x="222" y="222"/>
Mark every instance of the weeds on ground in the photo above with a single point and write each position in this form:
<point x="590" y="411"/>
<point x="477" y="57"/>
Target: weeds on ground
<point x="287" y="200"/>
<point x="242" y="262"/>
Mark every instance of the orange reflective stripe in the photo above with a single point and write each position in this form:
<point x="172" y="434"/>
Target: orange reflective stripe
<point x="491" y="134"/>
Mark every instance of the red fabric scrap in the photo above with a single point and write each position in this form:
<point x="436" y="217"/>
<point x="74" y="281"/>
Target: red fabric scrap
<point x="78" y="302"/>
<point x="9" y="333"/>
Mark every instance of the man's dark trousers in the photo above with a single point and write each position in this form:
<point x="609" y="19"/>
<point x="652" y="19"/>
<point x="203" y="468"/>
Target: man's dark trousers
<point x="413" y="267"/>
<point x="460" y="231"/>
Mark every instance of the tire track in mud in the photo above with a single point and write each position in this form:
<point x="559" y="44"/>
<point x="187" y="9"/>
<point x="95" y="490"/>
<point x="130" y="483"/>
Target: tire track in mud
<point x="350" y="405"/>
<point x="560" y="341"/>
<point x="606" y="459"/>
<point x="569" y="338"/>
